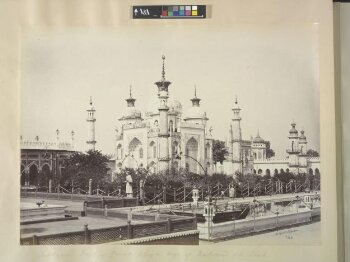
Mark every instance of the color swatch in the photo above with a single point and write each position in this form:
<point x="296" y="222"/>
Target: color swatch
<point x="180" y="10"/>
<point x="169" y="11"/>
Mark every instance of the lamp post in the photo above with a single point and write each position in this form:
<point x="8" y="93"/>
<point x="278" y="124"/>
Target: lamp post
<point x="205" y="170"/>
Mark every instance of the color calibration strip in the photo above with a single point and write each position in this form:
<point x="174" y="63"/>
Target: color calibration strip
<point x="169" y="11"/>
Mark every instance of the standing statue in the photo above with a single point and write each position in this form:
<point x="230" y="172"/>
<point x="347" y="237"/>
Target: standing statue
<point x="128" y="187"/>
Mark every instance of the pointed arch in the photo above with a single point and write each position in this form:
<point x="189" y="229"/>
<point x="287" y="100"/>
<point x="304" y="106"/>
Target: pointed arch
<point x="33" y="175"/>
<point x="119" y="151"/>
<point x="45" y="175"/>
<point x="152" y="150"/>
<point x="192" y="153"/>
<point x="134" y="148"/>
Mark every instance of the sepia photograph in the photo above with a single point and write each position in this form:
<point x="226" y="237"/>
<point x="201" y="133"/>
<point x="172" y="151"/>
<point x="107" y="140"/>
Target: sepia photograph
<point x="171" y="135"/>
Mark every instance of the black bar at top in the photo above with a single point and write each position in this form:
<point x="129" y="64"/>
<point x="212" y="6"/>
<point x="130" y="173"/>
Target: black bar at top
<point x="169" y="12"/>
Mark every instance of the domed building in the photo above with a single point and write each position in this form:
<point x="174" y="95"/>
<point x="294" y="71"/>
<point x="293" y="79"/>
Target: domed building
<point x="250" y="156"/>
<point x="163" y="137"/>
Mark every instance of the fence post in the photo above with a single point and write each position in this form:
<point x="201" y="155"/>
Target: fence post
<point x="106" y="211"/>
<point x="129" y="230"/>
<point x="103" y="202"/>
<point x="35" y="240"/>
<point x="85" y="208"/>
<point x="195" y="222"/>
<point x="90" y="186"/>
<point x="168" y="227"/>
<point x="86" y="234"/>
<point x="130" y="215"/>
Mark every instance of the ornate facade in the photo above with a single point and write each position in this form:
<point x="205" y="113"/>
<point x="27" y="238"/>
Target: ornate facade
<point x="43" y="157"/>
<point x="164" y="137"/>
<point x="249" y="156"/>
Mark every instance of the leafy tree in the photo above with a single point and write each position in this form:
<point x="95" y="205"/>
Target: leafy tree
<point x="79" y="168"/>
<point x="312" y="153"/>
<point x="219" y="151"/>
<point x="269" y="151"/>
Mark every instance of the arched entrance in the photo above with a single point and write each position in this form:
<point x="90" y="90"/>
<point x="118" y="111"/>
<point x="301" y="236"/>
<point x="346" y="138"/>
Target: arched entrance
<point x="45" y="175"/>
<point x="33" y="175"/>
<point x="192" y="153"/>
<point x="135" y="152"/>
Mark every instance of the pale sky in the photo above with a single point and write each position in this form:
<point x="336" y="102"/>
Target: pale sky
<point x="272" y="69"/>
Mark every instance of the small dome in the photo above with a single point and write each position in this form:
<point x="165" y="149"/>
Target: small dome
<point x="293" y="130"/>
<point x="173" y="104"/>
<point x="258" y="139"/>
<point x="302" y="135"/>
<point x="195" y="112"/>
<point x="131" y="113"/>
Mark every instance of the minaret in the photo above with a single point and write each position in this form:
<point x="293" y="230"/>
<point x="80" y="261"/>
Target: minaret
<point x="72" y="133"/>
<point x="130" y="102"/>
<point x="163" y="109"/>
<point x="293" y="150"/>
<point x="57" y="137"/>
<point x="195" y="100"/>
<point x="236" y="139"/>
<point x="303" y="153"/>
<point x="91" y="127"/>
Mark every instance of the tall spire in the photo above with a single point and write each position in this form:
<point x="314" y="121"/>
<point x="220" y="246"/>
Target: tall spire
<point x="163" y="69"/>
<point x="195" y="100"/>
<point x="130" y="101"/>
<point x="163" y="84"/>
<point x="91" y="127"/>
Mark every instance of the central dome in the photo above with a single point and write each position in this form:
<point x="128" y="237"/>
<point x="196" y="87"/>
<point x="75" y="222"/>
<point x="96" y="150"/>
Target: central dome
<point x="173" y="104"/>
<point x="131" y="113"/>
<point x="195" y="112"/>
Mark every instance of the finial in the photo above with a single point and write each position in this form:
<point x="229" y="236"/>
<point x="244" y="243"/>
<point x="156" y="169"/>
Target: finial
<point x="130" y="91"/>
<point x="57" y="131"/>
<point x="236" y="102"/>
<point x="163" y="71"/>
<point x="258" y="135"/>
<point x="195" y="91"/>
<point x="90" y="101"/>
<point x="72" y="133"/>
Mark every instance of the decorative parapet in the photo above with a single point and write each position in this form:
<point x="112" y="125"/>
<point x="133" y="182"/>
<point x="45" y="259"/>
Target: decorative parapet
<point x="135" y="125"/>
<point x="191" y="125"/>
<point x="314" y="159"/>
<point x="271" y="160"/>
<point x="46" y="145"/>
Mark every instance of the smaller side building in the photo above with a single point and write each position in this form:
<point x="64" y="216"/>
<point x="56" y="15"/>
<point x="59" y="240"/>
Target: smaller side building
<point x="45" y="158"/>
